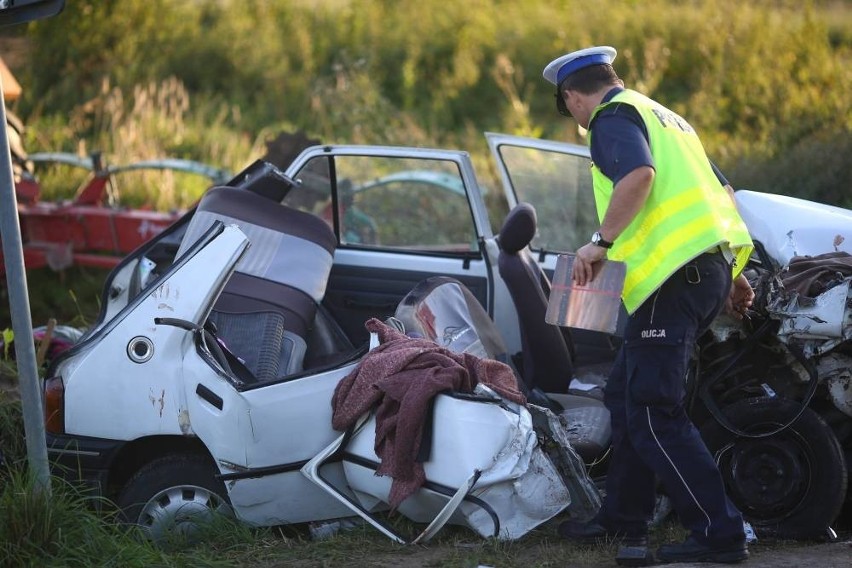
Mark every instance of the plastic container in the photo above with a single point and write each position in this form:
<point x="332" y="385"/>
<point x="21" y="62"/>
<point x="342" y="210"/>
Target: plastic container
<point x="595" y="306"/>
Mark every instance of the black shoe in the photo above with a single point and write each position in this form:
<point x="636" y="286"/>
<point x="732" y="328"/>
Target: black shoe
<point x="591" y="531"/>
<point x="691" y="550"/>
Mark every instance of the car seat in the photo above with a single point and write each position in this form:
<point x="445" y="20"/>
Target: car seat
<point x="548" y="351"/>
<point x="445" y="311"/>
<point x="442" y="309"/>
<point x="266" y="309"/>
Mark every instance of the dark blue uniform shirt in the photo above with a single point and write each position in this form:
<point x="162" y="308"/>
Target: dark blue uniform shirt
<point x="620" y="144"/>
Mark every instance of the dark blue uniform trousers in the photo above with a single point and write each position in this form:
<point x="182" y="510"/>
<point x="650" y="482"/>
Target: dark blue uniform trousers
<point x="653" y="438"/>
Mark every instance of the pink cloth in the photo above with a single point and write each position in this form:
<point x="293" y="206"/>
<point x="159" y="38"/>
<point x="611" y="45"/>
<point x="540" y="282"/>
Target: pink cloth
<point x="401" y="376"/>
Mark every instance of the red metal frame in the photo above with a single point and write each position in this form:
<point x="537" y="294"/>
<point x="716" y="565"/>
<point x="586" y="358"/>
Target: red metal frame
<point x="85" y="231"/>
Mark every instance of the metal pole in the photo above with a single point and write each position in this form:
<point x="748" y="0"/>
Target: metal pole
<point x="19" y="305"/>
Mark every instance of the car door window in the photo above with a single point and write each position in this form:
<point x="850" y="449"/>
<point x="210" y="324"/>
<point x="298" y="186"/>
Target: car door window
<point x="391" y="202"/>
<point x="313" y="191"/>
<point x="559" y="186"/>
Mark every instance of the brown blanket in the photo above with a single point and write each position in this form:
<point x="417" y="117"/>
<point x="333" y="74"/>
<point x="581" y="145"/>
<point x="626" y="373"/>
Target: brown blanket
<point x="401" y="376"/>
<point x="810" y="276"/>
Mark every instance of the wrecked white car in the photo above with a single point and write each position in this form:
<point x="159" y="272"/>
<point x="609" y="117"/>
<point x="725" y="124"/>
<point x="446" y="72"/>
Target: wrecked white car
<point x="774" y="394"/>
<point x="211" y="379"/>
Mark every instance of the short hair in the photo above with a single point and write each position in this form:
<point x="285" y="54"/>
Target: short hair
<point x="591" y="79"/>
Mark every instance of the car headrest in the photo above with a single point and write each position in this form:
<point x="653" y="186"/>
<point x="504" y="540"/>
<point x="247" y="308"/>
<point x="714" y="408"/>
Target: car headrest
<point x="518" y="228"/>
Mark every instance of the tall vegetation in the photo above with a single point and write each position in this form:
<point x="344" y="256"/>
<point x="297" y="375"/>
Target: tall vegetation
<point x="765" y="82"/>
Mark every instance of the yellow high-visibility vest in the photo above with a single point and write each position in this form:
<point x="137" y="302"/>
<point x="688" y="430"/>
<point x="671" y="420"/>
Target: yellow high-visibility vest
<point x="688" y="212"/>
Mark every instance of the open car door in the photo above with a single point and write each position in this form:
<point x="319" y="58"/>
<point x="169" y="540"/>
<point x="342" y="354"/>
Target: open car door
<point x="400" y="215"/>
<point x="555" y="178"/>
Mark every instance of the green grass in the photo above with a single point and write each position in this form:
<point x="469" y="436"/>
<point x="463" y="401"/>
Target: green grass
<point x="71" y="296"/>
<point x="41" y="528"/>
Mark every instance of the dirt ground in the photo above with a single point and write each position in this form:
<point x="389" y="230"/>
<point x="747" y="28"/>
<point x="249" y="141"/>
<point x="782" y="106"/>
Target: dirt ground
<point x="827" y="555"/>
<point x="455" y="547"/>
<point x="831" y="555"/>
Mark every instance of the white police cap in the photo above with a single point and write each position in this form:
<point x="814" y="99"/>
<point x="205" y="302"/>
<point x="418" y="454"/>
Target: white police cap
<point x="561" y="67"/>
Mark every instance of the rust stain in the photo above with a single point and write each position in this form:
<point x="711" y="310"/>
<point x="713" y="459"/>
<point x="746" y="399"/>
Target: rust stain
<point x="838" y="240"/>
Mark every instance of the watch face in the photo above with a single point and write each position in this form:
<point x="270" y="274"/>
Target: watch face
<point x="597" y="239"/>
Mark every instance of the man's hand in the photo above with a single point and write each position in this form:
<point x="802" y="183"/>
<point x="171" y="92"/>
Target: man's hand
<point x="583" y="270"/>
<point x="740" y="298"/>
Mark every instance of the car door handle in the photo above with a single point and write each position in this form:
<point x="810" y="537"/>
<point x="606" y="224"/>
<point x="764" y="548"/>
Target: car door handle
<point x="205" y="393"/>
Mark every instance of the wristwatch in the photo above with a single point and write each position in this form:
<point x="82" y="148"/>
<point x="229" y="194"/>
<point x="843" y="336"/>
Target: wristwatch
<point x="597" y="239"/>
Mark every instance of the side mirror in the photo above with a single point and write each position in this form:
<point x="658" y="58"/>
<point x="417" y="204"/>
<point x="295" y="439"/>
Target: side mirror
<point x="20" y="11"/>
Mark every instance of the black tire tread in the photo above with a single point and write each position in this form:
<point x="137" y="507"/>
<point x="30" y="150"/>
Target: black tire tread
<point x="164" y="472"/>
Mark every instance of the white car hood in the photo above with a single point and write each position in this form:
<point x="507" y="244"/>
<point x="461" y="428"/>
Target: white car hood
<point x="788" y="226"/>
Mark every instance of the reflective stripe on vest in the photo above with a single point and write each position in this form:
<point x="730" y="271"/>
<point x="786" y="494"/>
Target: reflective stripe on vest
<point x="687" y="212"/>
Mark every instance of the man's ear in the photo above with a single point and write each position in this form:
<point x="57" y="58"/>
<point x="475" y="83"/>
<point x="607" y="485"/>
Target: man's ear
<point x="560" y="103"/>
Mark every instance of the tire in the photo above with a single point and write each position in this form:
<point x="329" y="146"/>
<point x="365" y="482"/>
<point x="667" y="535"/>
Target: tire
<point x="791" y="484"/>
<point x="174" y="497"/>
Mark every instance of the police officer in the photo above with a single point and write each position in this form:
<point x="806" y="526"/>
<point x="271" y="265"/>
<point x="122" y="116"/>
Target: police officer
<point x="670" y="216"/>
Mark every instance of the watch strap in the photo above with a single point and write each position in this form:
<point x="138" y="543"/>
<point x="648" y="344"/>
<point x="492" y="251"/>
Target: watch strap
<point x="598" y="240"/>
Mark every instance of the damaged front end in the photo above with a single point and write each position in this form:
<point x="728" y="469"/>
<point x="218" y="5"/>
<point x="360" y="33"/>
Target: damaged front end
<point x="820" y="327"/>
<point x="798" y="332"/>
<point x="497" y="467"/>
<point x="772" y="394"/>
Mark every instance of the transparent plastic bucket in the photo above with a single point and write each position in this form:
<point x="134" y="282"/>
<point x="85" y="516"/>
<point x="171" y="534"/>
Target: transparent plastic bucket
<point x="594" y="306"/>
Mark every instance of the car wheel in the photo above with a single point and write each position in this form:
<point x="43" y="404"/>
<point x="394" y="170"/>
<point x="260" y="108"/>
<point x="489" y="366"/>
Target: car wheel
<point x="174" y="496"/>
<point x="790" y="484"/>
